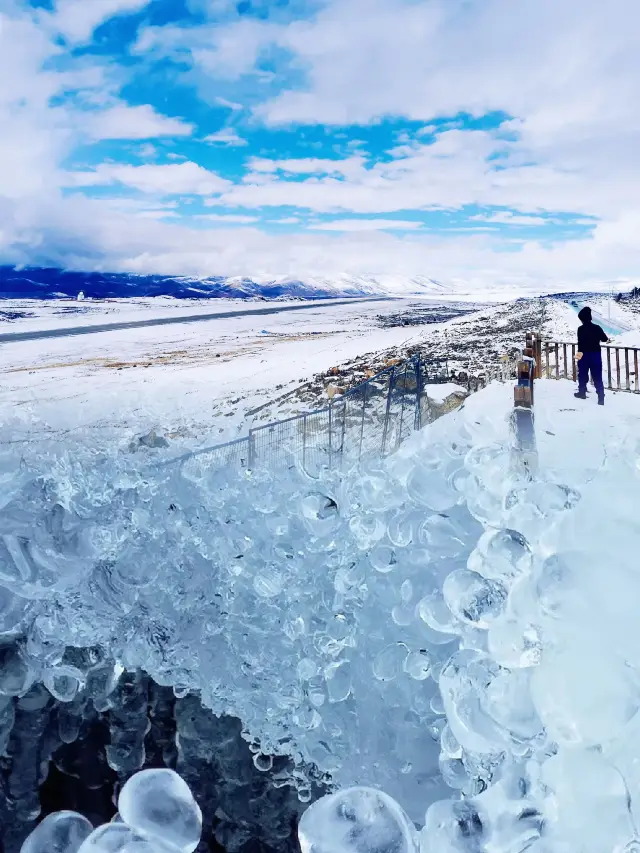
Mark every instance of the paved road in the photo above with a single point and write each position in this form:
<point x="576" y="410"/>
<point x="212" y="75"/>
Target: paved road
<point x="14" y="337"/>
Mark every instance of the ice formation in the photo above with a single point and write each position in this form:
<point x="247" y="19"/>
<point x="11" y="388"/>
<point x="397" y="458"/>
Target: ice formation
<point x="159" y="803"/>
<point x="158" y="814"/>
<point x="356" y="820"/>
<point x="62" y="832"/>
<point x="449" y="625"/>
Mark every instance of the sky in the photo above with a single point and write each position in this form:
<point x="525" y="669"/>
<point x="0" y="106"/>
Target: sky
<point x="488" y="142"/>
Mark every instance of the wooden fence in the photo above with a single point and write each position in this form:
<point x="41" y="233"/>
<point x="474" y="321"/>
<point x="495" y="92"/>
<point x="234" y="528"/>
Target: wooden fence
<point x="557" y="360"/>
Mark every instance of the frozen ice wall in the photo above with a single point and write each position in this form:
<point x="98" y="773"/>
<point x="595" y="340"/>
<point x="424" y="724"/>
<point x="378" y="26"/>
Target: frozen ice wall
<point x="424" y="625"/>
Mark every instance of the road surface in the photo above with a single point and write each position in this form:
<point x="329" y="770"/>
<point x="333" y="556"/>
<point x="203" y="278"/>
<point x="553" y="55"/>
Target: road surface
<point x="14" y="337"/>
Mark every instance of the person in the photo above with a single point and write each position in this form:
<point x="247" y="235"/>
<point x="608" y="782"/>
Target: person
<point x="590" y="336"/>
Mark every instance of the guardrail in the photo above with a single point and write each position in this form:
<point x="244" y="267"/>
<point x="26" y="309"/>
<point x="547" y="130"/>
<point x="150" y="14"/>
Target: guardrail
<point x="373" y="418"/>
<point x="620" y="364"/>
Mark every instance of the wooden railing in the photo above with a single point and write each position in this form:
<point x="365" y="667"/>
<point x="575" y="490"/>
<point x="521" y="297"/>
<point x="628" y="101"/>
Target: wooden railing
<point x="620" y="364"/>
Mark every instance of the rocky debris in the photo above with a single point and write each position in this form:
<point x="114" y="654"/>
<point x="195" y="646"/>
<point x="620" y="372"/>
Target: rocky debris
<point x="467" y="351"/>
<point x="150" y="440"/>
<point x="453" y="401"/>
<point x="420" y="315"/>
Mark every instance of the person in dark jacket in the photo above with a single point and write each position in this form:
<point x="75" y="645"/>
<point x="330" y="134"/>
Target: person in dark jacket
<point x="590" y="336"/>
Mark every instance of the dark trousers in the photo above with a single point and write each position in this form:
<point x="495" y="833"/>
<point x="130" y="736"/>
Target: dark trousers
<point x="591" y="362"/>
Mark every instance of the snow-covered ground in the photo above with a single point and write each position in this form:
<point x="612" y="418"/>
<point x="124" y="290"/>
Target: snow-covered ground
<point x="30" y="315"/>
<point x="201" y="376"/>
<point x="209" y="378"/>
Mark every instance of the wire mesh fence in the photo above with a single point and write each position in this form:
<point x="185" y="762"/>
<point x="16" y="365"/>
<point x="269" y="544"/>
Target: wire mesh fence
<point x="373" y="418"/>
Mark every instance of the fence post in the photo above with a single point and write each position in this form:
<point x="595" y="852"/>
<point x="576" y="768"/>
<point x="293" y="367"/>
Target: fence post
<point x="252" y="450"/>
<point x="304" y="442"/>
<point x="635" y="368"/>
<point x="626" y="369"/>
<point x="417" y="366"/>
<point x="330" y="437"/>
<point x="523" y="407"/>
<point x="385" y="430"/>
<point x="364" y="407"/>
<point x="538" y="373"/>
<point x="403" y="395"/>
<point x="609" y="367"/>
<point x="546" y="356"/>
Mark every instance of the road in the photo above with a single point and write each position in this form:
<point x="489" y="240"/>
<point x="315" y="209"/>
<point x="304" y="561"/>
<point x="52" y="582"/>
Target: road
<point x="15" y="337"/>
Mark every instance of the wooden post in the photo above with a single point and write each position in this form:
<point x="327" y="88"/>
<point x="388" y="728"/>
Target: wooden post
<point x="626" y="368"/>
<point x="539" y="357"/>
<point x="573" y="361"/>
<point x="609" y="367"/>
<point x="566" y="369"/>
<point x="523" y="397"/>
<point x="546" y="354"/>
<point x="618" y="366"/>
<point x="557" y="354"/>
<point x="635" y="367"/>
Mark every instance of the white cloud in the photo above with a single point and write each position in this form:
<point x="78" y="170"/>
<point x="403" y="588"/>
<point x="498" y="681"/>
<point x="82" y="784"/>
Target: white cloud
<point x="507" y="217"/>
<point x="88" y="234"/>
<point x="366" y="225"/>
<point x="230" y="105"/>
<point x="162" y="180"/>
<point x="349" y="167"/>
<point x="226" y="136"/>
<point x="34" y="135"/>
<point x="224" y="51"/>
<point x="141" y="122"/>
<point x="77" y="20"/>
<point x="238" y="219"/>
<point x="566" y="71"/>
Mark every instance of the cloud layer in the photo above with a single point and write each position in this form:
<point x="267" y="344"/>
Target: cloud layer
<point x="469" y="139"/>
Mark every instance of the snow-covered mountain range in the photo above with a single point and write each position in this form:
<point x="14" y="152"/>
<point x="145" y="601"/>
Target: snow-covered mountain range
<point x="32" y="283"/>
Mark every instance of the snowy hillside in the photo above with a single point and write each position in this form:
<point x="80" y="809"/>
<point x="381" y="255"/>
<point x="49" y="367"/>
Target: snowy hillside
<point x="53" y="283"/>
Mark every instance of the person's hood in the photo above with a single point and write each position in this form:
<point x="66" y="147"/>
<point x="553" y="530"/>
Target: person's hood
<point x="584" y="315"/>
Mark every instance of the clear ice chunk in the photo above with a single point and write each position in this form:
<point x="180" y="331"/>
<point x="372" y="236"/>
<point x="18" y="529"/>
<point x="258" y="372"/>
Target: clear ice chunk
<point x="356" y="820"/>
<point x="62" y="832"/>
<point x="160" y="805"/>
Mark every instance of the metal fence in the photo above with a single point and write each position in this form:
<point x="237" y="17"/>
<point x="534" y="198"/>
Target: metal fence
<point x="373" y="418"/>
<point x="620" y="364"/>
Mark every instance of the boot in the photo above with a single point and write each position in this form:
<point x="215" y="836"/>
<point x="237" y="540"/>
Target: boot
<point x="601" y="401"/>
<point x="580" y="395"/>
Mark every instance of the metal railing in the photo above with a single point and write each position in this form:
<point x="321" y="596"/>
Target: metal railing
<point x="620" y="364"/>
<point x="372" y="418"/>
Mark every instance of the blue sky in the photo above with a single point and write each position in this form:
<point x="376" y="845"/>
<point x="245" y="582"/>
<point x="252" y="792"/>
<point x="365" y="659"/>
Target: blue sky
<point x="488" y="141"/>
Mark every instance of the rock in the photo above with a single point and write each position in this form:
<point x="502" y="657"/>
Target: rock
<point x="151" y="439"/>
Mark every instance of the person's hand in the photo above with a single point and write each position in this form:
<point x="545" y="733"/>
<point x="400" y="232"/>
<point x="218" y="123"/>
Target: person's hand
<point x="578" y="356"/>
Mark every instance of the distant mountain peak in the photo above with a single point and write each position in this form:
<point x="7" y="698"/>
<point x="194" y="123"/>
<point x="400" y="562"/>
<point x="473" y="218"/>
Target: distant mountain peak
<point x="45" y="283"/>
